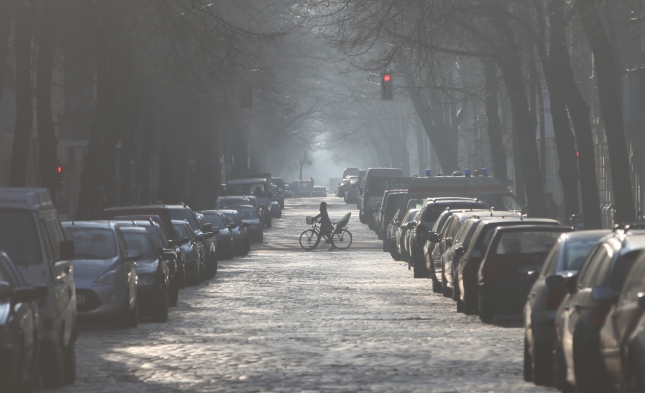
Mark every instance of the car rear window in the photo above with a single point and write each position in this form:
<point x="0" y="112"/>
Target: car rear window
<point x="245" y="189"/>
<point x="92" y="243"/>
<point x="19" y="237"/>
<point x="215" y="220"/>
<point x="520" y="242"/>
<point x="247" y="213"/>
<point x="141" y="242"/>
<point x="575" y="253"/>
<point x="185" y="214"/>
<point x="231" y="217"/>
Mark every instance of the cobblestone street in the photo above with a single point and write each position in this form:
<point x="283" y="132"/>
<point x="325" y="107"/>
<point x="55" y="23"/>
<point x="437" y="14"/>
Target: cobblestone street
<point x="286" y="320"/>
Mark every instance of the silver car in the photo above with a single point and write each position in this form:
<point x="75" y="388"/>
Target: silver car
<point x="104" y="273"/>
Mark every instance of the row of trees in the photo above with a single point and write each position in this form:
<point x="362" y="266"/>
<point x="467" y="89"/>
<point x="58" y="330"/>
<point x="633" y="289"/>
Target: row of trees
<point x="156" y="80"/>
<point x="507" y="62"/>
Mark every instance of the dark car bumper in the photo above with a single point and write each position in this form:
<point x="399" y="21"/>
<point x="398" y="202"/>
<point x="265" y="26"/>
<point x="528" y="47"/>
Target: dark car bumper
<point x="507" y="296"/>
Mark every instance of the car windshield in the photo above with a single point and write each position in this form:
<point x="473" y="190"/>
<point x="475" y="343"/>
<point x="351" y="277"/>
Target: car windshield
<point x="19" y="237"/>
<point x="185" y="214"/>
<point x="139" y="241"/>
<point x="575" y="253"/>
<point x="231" y="217"/>
<point x="247" y="213"/>
<point x="92" y="243"/>
<point x="378" y="185"/>
<point x="529" y="242"/>
<point x="256" y="189"/>
<point x="180" y="231"/>
<point x="215" y="220"/>
<point x="156" y="235"/>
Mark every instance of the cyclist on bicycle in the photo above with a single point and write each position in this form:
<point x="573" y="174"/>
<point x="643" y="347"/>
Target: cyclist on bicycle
<point x="325" y="226"/>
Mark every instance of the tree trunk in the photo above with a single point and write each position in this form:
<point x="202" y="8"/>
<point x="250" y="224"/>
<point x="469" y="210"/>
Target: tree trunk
<point x="24" y="114"/>
<point x="6" y="13"/>
<point x="580" y="116"/>
<point x="494" y="128"/>
<point x="523" y="122"/>
<point x="47" y="142"/>
<point x="609" y="92"/>
<point x="418" y="130"/>
<point x="439" y="136"/>
<point x="403" y="145"/>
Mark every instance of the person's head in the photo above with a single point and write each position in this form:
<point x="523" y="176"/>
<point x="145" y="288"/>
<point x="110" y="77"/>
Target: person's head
<point x="323" y="206"/>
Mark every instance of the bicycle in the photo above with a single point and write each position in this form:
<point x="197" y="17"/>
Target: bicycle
<point x="310" y="238"/>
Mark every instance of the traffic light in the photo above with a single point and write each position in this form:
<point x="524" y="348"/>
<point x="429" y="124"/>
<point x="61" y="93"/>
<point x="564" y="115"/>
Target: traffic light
<point x="387" y="92"/>
<point x="60" y="171"/>
<point x="246" y="94"/>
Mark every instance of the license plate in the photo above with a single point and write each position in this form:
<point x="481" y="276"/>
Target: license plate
<point x="528" y="268"/>
<point x="80" y="299"/>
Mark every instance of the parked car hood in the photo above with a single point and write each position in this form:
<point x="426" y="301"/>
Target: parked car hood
<point x="92" y="267"/>
<point x="147" y="266"/>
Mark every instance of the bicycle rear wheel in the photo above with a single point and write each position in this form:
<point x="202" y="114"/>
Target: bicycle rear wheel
<point x="309" y="239"/>
<point x="343" y="239"/>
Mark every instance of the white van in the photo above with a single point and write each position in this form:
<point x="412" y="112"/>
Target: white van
<point x="31" y="234"/>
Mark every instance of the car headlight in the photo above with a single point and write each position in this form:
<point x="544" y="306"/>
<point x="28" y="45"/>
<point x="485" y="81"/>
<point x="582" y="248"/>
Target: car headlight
<point x="106" y="278"/>
<point x="146" y="280"/>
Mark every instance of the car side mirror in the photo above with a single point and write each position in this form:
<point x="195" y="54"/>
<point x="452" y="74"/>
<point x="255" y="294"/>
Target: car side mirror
<point x="22" y="295"/>
<point x="555" y="281"/>
<point x="434" y="237"/>
<point x="571" y="284"/>
<point x="208" y="227"/>
<point x="603" y="293"/>
<point x="133" y="255"/>
<point x="6" y="289"/>
<point x="66" y="250"/>
<point x="641" y="300"/>
<point x="448" y="242"/>
<point x="460" y="251"/>
<point x="167" y="255"/>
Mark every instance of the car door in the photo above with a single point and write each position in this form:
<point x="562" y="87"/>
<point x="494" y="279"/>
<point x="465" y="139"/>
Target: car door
<point x="62" y="271"/>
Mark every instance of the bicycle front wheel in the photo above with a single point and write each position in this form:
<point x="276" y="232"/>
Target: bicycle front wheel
<point x="343" y="239"/>
<point x="309" y="239"/>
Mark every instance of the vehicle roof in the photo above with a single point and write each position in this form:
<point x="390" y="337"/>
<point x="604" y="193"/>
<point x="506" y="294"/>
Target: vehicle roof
<point x="149" y="207"/>
<point x="133" y="229"/>
<point x="204" y="212"/>
<point x="233" y="197"/>
<point x="276" y="177"/>
<point x="89" y="224"/>
<point x="626" y="241"/>
<point x="383" y="171"/>
<point x="236" y="206"/>
<point x="227" y="211"/>
<point x="247" y="181"/>
<point x="473" y="213"/>
<point x="25" y="198"/>
<point x="514" y="216"/>
<point x="458" y="184"/>
<point x="180" y="222"/>
<point x="532" y="227"/>
<point x="596" y="234"/>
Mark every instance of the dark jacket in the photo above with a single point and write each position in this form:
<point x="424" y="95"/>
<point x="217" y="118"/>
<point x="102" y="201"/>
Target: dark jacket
<point x="325" y="222"/>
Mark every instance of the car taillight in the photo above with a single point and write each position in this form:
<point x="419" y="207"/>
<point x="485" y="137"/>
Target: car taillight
<point x="600" y="312"/>
<point x="554" y="298"/>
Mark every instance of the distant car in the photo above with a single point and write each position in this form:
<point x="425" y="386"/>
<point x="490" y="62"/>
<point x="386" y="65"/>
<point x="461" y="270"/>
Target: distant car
<point x="401" y="232"/>
<point x="288" y="193"/>
<point x="351" y="193"/>
<point x="280" y="193"/>
<point x="31" y="235"/>
<point x="225" y="241"/>
<point x="564" y="259"/>
<point x="239" y="229"/>
<point x="104" y="272"/>
<point x="578" y="361"/>
<point x="152" y="272"/>
<point x="194" y="251"/>
<point x="19" y="327"/>
<point x="249" y="216"/>
<point x="319" y="191"/>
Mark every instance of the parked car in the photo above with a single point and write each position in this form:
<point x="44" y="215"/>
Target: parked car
<point x="225" y="241"/>
<point x="425" y="220"/>
<point x="319" y="191"/>
<point x="31" y="235"/>
<point x="635" y="365"/>
<point x="250" y="217"/>
<point x="401" y="233"/>
<point x="350" y="172"/>
<point x="466" y="268"/>
<point x="351" y="193"/>
<point x="361" y="186"/>
<point x="258" y="185"/>
<point x="152" y="271"/>
<point x="288" y="192"/>
<point x="280" y="193"/>
<point x="194" y="251"/>
<point x="391" y="202"/>
<point x="104" y="273"/>
<point x="564" y="259"/>
<point x="241" y="236"/>
<point x="19" y="327"/>
<point x="376" y="181"/>
<point x="577" y="360"/>
<point x="224" y="201"/>
<point x="175" y="264"/>
<point x="276" y="209"/>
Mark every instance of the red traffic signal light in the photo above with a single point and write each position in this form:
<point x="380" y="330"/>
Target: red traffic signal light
<point x="59" y="169"/>
<point x="387" y="90"/>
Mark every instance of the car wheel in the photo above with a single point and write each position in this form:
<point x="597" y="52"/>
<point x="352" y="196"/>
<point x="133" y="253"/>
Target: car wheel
<point x="446" y="291"/>
<point x="560" y="371"/>
<point x="361" y="217"/>
<point x="269" y="223"/>
<point x="528" y="362"/>
<point x="436" y="285"/>
<point x="386" y="243"/>
<point x="128" y="318"/>
<point x="542" y="366"/>
<point x="173" y="294"/>
<point x="394" y="253"/>
<point x="161" y="313"/>
<point x="70" y="364"/>
<point x="52" y="368"/>
<point x="211" y="267"/>
<point x="470" y="305"/>
<point x="485" y="310"/>
<point x="420" y="269"/>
